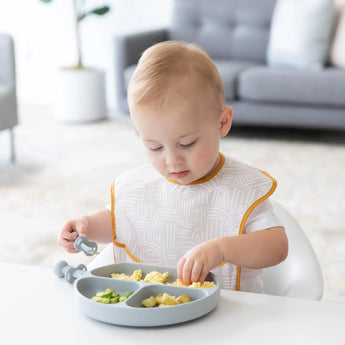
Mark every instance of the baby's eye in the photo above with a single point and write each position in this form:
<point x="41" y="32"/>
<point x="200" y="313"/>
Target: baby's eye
<point x="155" y="149"/>
<point x="188" y="145"/>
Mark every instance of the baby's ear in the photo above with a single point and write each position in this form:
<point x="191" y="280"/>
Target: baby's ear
<point x="225" y="121"/>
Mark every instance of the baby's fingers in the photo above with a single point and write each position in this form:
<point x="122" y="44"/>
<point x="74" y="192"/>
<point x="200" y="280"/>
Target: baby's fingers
<point x="184" y="271"/>
<point x="180" y="268"/>
<point x="196" y="273"/>
<point x="67" y="244"/>
<point x="205" y="271"/>
<point x="69" y="235"/>
<point x="188" y="271"/>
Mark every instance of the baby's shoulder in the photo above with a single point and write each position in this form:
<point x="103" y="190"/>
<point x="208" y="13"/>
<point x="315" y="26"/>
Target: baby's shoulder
<point x="242" y="171"/>
<point x="234" y="165"/>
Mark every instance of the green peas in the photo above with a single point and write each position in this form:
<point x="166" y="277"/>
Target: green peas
<point x="110" y="297"/>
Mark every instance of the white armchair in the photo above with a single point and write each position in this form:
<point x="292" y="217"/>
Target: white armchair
<point x="8" y="98"/>
<point x="300" y="274"/>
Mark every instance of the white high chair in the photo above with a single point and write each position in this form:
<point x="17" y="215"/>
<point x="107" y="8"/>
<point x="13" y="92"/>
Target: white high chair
<point x="298" y="276"/>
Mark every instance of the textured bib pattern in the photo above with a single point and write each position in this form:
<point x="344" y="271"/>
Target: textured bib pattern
<point x="159" y="221"/>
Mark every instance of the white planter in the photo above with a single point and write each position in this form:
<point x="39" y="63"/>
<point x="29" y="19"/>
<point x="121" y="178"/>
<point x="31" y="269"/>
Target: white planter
<point x="80" y="95"/>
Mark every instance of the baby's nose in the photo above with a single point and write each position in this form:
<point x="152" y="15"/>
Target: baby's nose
<point x="173" y="158"/>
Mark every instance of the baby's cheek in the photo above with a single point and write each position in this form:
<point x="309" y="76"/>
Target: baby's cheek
<point x="204" y="164"/>
<point x="159" y="166"/>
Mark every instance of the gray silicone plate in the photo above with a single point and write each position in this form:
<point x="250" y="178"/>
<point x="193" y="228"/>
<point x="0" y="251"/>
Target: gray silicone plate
<point x="131" y="312"/>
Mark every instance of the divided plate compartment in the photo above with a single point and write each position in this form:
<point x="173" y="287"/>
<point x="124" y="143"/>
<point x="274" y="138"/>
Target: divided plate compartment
<point x="131" y="312"/>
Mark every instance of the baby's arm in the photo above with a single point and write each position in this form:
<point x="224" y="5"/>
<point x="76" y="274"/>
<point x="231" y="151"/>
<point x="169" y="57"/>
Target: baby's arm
<point x="259" y="249"/>
<point x="95" y="226"/>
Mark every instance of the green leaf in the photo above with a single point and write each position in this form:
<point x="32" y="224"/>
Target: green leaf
<point x="47" y="1"/>
<point x="98" y="11"/>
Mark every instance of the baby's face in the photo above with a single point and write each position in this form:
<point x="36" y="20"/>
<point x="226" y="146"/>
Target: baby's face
<point x="182" y="143"/>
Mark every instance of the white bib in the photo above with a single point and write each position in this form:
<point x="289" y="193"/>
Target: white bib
<point x="159" y="220"/>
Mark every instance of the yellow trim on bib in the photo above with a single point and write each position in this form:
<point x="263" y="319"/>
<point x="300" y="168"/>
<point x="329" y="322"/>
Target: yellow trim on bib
<point x="206" y="178"/>
<point x="246" y="215"/>
<point x="113" y="226"/>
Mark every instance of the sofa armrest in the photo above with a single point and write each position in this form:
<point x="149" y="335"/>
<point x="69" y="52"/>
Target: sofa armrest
<point x="7" y="61"/>
<point x="8" y="98"/>
<point x="128" y="49"/>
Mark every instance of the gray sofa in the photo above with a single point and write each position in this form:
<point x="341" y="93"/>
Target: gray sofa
<point x="235" y="33"/>
<point x="8" y="99"/>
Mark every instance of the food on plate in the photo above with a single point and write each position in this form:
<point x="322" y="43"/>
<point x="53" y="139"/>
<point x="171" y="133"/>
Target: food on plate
<point x="152" y="277"/>
<point x="184" y="299"/>
<point x="157" y="277"/>
<point x="110" y="297"/>
<point x="168" y="300"/>
<point x="196" y="285"/>
<point x="165" y="300"/>
<point x="136" y="276"/>
<point x="149" y="302"/>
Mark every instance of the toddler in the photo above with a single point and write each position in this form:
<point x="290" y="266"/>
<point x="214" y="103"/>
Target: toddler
<point x="191" y="206"/>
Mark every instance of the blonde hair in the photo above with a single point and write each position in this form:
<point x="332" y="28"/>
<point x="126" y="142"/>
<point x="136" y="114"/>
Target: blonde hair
<point x="166" y="63"/>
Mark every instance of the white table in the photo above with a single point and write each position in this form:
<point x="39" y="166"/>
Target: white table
<point x="38" y="308"/>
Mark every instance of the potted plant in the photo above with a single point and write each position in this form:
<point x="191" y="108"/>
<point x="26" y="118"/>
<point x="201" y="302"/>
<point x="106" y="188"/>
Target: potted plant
<point x="80" y="90"/>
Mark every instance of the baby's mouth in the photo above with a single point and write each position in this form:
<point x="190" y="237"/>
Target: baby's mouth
<point x="180" y="174"/>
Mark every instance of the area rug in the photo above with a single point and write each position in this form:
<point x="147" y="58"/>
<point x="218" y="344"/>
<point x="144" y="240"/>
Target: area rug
<point x="63" y="171"/>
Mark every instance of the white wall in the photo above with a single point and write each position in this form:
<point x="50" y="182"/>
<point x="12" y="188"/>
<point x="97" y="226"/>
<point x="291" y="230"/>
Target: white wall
<point x="45" y="39"/>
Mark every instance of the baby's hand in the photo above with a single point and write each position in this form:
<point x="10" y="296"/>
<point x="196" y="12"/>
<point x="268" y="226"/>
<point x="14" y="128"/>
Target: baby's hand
<point x="198" y="262"/>
<point x="67" y="235"/>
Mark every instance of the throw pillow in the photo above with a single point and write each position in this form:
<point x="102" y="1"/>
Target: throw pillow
<point x="337" y="55"/>
<point x="300" y="33"/>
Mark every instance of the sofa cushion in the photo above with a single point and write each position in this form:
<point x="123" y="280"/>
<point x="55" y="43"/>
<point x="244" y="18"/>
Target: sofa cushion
<point x="322" y="87"/>
<point x="300" y="33"/>
<point x="229" y="71"/>
<point x="236" y="29"/>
